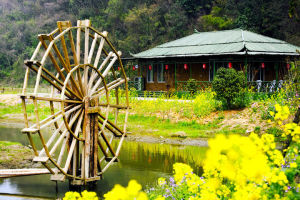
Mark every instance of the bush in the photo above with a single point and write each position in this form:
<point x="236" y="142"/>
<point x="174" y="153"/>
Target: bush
<point x="228" y="85"/>
<point x="192" y="86"/>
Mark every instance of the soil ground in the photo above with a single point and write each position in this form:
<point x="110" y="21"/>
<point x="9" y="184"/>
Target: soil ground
<point x="14" y="155"/>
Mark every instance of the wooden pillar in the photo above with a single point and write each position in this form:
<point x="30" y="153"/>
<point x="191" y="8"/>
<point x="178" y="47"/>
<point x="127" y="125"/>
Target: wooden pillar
<point x="190" y="70"/>
<point x="246" y="69"/>
<point x="86" y="135"/>
<point x="175" y="77"/>
<point x="276" y="71"/>
<point x="94" y="141"/>
<point x="91" y="131"/>
<point x="214" y="74"/>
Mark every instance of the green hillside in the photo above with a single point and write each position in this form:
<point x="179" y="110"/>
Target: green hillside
<point x="136" y="25"/>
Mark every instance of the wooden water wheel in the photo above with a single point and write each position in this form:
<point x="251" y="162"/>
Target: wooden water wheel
<point x="86" y="106"/>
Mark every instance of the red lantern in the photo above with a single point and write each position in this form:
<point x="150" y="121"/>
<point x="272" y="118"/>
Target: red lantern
<point x="230" y="65"/>
<point x="185" y="66"/>
<point x="133" y="67"/>
<point x="204" y="66"/>
<point x="288" y="66"/>
<point x="166" y="67"/>
<point x="150" y="67"/>
<point x="262" y="65"/>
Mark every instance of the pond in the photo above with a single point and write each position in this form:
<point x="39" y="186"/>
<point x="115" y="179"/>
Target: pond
<point x="144" y="162"/>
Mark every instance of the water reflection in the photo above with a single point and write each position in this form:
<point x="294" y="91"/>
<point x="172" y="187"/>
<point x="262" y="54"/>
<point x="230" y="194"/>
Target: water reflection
<point x="144" y="162"/>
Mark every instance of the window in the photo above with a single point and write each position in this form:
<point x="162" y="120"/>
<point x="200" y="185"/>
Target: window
<point x="150" y="75"/>
<point x="160" y="73"/>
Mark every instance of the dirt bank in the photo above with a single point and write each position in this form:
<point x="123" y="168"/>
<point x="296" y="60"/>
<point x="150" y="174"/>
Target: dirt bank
<point x="13" y="155"/>
<point x="161" y="139"/>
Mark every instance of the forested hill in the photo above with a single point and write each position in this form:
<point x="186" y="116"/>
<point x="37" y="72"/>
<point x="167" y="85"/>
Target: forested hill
<point x="136" y="25"/>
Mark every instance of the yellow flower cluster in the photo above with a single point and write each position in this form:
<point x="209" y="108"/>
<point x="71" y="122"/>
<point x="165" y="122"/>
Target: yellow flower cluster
<point x="235" y="168"/>
<point x="293" y="130"/>
<point x="246" y="164"/>
<point x="181" y="171"/>
<point x="267" y="144"/>
<point x="226" y="154"/>
<point x="161" y="181"/>
<point x="290" y="129"/>
<point x="85" y="195"/>
<point x="282" y="112"/>
<point x="131" y="192"/>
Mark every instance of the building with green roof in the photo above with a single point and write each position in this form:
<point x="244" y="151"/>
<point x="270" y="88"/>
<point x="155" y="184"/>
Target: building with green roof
<point x="264" y="60"/>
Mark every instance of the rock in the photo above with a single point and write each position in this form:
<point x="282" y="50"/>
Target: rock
<point x="248" y="131"/>
<point x="180" y="134"/>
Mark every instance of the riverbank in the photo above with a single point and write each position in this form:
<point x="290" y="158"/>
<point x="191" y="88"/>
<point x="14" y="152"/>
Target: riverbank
<point x="175" y="126"/>
<point x="14" y="155"/>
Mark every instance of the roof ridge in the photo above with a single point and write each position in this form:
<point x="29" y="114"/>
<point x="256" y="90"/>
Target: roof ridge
<point x="235" y="29"/>
<point x="266" y="36"/>
<point x="200" y="44"/>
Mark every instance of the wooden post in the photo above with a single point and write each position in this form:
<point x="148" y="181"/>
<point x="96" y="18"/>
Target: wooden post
<point x="91" y="141"/>
<point x="87" y="142"/>
<point x="214" y="73"/>
<point x="175" y="77"/>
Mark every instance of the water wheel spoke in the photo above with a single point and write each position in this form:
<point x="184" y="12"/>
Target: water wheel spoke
<point x="74" y="140"/>
<point x="55" y="81"/>
<point x="107" y="69"/>
<point x="51" y="139"/>
<point x="107" y="144"/>
<point x="111" y="126"/>
<point x="72" y="120"/>
<point x="99" y="51"/>
<point x="53" y="118"/>
<point x="42" y="38"/>
<point x="67" y="68"/>
<point x="112" y="85"/>
<point x="53" y="99"/>
<point x="45" y="123"/>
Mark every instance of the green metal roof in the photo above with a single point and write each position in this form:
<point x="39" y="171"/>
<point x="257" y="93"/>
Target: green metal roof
<point x="229" y="42"/>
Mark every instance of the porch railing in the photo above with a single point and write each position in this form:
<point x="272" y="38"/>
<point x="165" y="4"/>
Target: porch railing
<point x="138" y="85"/>
<point x="265" y="86"/>
<point x="257" y="86"/>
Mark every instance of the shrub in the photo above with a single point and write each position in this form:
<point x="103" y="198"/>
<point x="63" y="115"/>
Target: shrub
<point x="192" y="86"/>
<point x="228" y="85"/>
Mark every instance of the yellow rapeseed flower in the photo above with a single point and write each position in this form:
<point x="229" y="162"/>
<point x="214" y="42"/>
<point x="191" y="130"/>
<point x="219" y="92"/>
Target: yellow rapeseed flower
<point x="160" y="198"/>
<point x="132" y="192"/>
<point x="293" y="165"/>
<point x="161" y="181"/>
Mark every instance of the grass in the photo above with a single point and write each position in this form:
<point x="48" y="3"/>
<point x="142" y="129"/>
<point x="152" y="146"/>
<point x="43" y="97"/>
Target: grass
<point x="8" y="143"/>
<point x="150" y="125"/>
<point x="17" y="109"/>
<point x="14" y="155"/>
